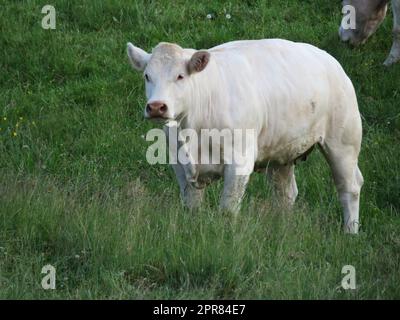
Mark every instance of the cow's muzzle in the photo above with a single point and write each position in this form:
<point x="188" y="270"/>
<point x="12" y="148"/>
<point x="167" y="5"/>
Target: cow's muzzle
<point x="156" y="109"/>
<point x="344" y="35"/>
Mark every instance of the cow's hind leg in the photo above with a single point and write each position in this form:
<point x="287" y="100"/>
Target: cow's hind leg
<point x="348" y="180"/>
<point x="394" y="54"/>
<point x="284" y="183"/>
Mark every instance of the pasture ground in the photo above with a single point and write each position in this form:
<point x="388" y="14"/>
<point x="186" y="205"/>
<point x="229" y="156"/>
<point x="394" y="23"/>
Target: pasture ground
<point x="76" y="191"/>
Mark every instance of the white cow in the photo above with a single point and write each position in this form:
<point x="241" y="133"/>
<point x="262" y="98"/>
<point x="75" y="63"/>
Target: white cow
<point x="369" y="15"/>
<point x="293" y="95"/>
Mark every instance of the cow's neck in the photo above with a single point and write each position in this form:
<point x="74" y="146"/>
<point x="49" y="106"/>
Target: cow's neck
<point x="203" y="99"/>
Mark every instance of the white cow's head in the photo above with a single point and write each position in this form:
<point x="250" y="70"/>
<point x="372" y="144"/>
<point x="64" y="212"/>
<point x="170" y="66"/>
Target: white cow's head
<point x="369" y="16"/>
<point x="167" y="73"/>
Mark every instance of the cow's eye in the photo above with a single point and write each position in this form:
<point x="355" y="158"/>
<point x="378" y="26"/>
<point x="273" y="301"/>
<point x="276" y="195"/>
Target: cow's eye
<point x="180" y="77"/>
<point x="146" y="76"/>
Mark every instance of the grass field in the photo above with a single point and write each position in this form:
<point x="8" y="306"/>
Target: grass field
<point x="76" y="191"/>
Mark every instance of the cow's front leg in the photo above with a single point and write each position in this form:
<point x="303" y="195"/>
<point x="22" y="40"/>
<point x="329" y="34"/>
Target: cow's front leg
<point x="234" y="188"/>
<point x="237" y="172"/>
<point x="235" y="183"/>
<point x="394" y="54"/>
<point x="191" y="196"/>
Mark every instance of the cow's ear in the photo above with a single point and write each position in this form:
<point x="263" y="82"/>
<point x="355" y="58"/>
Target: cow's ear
<point x="137" y="57"/>
<point x="198" y="61"/>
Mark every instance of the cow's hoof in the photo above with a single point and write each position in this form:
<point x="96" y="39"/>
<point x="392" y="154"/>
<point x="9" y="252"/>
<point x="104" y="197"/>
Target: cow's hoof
<point x="228" y="209"/>
<point x="351" y="228"/>
<point x="391" y="60"/>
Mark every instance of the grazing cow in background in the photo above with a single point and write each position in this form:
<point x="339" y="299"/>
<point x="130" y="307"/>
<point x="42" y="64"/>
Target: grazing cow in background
<point x="369" y="16"/>
<point x="293" y="95"/>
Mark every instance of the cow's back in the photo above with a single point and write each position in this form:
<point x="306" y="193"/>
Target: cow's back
<point x="289" y="92"/>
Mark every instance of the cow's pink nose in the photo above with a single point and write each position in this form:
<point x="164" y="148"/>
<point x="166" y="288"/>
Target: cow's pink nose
<point x="156" y="109"/>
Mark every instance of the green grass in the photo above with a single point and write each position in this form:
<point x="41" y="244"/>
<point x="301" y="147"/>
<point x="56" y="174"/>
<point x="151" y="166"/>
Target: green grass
<point x="76" y="190"/>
